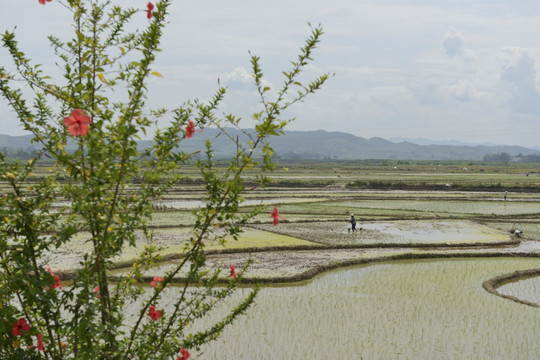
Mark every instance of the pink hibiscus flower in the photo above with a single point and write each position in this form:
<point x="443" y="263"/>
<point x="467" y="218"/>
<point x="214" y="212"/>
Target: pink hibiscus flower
<point x="57" y="283"/>
<point x="19" y="327"/>
<point x="184" y="354"/>
<point x="77" y="122"/>
<point x="155" y="314"/>
<point x="233" y="271"/>
<point x="149" y="7"/>
<point x="190" y="129"/>
<point x="156" y="281"/>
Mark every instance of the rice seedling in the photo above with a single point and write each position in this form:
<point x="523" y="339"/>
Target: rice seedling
<point x="528" y="228"/>
<point x="499" y="208"/>
<point x="172" y="218"/>
<point x="397" y="310"/>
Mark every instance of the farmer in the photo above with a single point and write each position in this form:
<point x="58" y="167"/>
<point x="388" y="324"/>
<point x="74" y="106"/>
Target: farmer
<point x="505" y="195"/>
<point x="353" y="223"/>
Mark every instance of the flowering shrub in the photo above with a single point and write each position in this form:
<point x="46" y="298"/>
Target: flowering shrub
<point x="149" y="8"/>
<point x="233" y="271"/>
<point x="156" y="281"/>
<point x="184" y="354"/>
<point x="190" y="129"/>
<point x="57" y="284"/>
<point x="86" y="318"/>
<point x="20" y="327"/>
<point x="77" y="122"/>
<point x="154" y="314"/>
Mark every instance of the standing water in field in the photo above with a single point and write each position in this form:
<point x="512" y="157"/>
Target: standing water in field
<point x="525" y="289"/>
<point x="397" y="310"/>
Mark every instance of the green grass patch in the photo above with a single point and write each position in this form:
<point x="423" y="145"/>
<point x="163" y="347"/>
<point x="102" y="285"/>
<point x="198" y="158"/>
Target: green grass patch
<point x="252" y="238"/>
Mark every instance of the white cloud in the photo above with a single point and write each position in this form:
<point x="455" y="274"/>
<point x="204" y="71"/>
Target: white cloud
<point x="464" y="90"/>
<point x="401" y="65"/>
<point x="520" y="67"/>
<point x="518" y="77"/>
<point x="428" y="92"/>
<point x="240" y="79"/>
<point x="452" y="43"/>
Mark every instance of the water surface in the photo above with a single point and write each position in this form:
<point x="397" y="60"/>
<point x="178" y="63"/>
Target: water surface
<point x="429" y="309"/>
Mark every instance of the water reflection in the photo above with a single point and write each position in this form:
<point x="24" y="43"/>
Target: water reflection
<point x="525" y="289"/>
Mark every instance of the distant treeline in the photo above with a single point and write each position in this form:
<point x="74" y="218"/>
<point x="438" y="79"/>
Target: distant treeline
<point x="506" y="157"/>
<point x="19" y="153"/>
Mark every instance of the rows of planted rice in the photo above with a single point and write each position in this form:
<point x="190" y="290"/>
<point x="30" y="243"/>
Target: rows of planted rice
<point x="443" y="180"/>
<point x="266" y="194"/>
<point x="172" y="218"/>
<point x="187" y="218"/>
<point x="415" y="208"/>
<point x="500" y="208"/>
<point x="396" y="310"/>
<point x="173" y="212"/>
<point x="190" y="192"/>
<point x="293" y="213"/>
<point x="191" y="204"/>
<point x="293" y="218"/>
<point x="168" y="242"/>
<point x="529" y="229"/>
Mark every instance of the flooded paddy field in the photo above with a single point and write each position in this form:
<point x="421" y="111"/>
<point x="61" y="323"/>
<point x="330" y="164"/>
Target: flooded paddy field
<point x="413" y="309"/>
<point x="383" y="307"/>
<point x="409" y="285"/>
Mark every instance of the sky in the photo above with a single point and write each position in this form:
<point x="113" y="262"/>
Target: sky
<point x="464" y="70"/>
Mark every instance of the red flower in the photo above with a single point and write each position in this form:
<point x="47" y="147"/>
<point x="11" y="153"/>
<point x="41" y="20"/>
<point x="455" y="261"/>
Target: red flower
<point x="275" y="215"/>
<point x="96" y="290"/>
<point x="190" y="129"/>
<point x="57" y="283"/>
<point x="77" y="122"/>
<point x="40" y="344"/>
<point x="42" y="2"/>
<point x="185" y="354"/>
<point x="150" y="7"/>
<point x="233" y="271"/>
<point x="155" y="314"/>
<point x="156" y="281"/>
<point x="20" y="326"/>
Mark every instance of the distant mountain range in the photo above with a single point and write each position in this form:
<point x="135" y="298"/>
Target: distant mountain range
<point x="422" y="141"/>
<point x="323" y="145"/>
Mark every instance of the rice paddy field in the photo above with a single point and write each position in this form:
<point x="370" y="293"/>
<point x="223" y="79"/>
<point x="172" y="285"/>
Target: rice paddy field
<point x="429" y="309"/>
<point x="331" y="293"/>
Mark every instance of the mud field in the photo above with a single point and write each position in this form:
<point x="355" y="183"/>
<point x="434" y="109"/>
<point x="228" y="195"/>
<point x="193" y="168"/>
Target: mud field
<point x="393" y="233"/>
<point x="310" y="239"/>
<point x="321" y="246"/>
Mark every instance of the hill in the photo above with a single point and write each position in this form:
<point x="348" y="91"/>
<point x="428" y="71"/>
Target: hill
<point x="300" y="145"/>
<point x="321" y="144"/>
